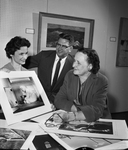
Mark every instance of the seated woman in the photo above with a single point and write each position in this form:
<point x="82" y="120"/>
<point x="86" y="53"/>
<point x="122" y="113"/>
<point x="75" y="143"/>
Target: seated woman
<point x="84" y="91"/>
<point x="17" y="51"/>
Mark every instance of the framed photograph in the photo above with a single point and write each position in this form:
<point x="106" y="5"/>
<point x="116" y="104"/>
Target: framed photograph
<point x="122" y="49"/>
<point x="51" y="25"/>
<point x="22" y="96"/>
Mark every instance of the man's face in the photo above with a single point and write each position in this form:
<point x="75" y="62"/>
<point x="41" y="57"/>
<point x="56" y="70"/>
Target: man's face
<point x="63" y="48"/>
<point x="20" y="55"/>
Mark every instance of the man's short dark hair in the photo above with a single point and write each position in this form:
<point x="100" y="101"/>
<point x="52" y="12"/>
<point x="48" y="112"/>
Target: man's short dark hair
<point x="68" y="37"/>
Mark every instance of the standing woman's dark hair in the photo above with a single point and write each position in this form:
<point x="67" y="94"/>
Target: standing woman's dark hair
<point x="17" y="51"/>
<point x="93" y="58"/>
<point x="15" y="44"/>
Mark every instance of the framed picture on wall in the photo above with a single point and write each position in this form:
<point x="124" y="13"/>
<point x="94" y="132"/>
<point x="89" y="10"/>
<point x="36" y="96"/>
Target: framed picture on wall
<point x="22" y="96"/>
<point x="122" y="49"/>
<point x="51" y="25"/>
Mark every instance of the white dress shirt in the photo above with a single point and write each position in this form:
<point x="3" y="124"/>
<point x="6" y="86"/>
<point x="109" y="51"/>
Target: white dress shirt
<point x="62" y="62"/>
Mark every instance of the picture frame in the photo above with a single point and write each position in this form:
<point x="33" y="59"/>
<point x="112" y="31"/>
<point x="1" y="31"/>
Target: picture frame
<point x="122" y="49"/>
<point x="51" y="25"/>
<point x="22" y="96"/>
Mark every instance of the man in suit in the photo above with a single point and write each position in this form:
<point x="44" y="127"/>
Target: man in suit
<point x="46" y="62"/>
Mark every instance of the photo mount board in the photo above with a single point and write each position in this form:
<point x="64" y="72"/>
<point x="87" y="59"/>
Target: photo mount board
<point x="15" y="104"/>
<point x="117" y="126"/>
<point x="48" y="141"/>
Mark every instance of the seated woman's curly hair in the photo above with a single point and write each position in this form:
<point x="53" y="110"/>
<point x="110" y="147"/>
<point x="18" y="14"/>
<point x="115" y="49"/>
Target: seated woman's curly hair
<point x="93" y="58"/>
<point x="15" y="44"/>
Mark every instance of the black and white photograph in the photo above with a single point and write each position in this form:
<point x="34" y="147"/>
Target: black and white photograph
<point x="12" y="139"/>
<point x="44" y="142"/>
<point x="94" y="127"/>
<point x="107" y="128"/>
<point x="64" y="74"/>
<point x="22" y="96"/>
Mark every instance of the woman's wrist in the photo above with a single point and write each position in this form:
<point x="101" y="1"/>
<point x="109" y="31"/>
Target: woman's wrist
<point x="75" y="115"/>
<point x="71" y="116"/>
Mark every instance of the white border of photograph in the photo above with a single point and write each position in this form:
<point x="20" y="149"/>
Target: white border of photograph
<point x="55" y="137"/>
<point x="115" y="146"/>
<point x="8" y="111"/>
<point x="118" y="133"/>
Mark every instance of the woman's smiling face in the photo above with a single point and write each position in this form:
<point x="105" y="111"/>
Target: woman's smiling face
<point x="20" y="55"/>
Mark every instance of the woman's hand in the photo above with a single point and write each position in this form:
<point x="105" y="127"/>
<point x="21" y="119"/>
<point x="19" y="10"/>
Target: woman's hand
<point x="73" y="108"/>
<point x="53" y="107"/>
<point x="5" y="70"/>
<point x="64" y="117"/>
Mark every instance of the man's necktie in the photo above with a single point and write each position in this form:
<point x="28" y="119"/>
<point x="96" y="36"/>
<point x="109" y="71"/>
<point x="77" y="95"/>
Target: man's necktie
<point x="56" y="73"/>
<point x="80" y="93"/>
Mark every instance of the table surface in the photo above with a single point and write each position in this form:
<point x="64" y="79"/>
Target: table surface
<point x="99" y="143"/>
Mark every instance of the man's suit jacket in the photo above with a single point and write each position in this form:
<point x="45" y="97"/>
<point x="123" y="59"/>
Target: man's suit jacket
<point x="94" y="103"/>
<point x="44" y="62"/>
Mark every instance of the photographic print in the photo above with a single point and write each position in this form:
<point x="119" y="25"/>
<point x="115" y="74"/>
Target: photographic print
<point x="94" y="127"/>
<point x="107" y="128"/>
<point x="22" y="96"/>
<point x="12" y="139"/>
<point x="51" y="25"/>
<point x="48" y="141"/>
<point x="77" y="141"/>
<point x="44" y="142"/>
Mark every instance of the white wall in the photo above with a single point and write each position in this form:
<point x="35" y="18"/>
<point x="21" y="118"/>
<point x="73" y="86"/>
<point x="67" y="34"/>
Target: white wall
<point x="118" y="84"/>
<point x="17" y="15"/>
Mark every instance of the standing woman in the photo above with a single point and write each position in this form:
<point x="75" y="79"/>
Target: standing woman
<point x="84" y="91"/>
<point x="17" y="51"/>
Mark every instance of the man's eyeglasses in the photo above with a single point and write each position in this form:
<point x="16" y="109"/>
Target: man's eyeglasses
<point x="63" y="46"/>
<point x="50" y="122"/>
